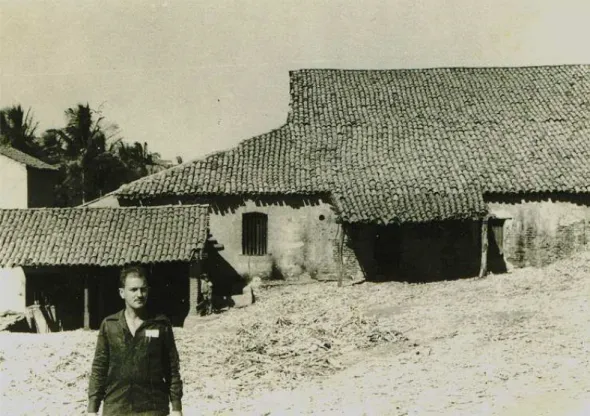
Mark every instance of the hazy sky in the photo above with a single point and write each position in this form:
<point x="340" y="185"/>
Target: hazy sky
<point x="191" y="77"/>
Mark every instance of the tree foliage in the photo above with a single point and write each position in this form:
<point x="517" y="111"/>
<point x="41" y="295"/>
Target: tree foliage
<point x="94" y="160"/>
<point x="17" y="129"/>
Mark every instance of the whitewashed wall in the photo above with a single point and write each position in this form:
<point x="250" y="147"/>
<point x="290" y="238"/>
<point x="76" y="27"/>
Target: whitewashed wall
<point x="12" y="289"/>
<point x="13" y="184"/>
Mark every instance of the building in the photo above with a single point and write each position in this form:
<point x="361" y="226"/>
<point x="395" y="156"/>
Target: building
<point x="25" y="182"/>
<point x="407" y="174"/>
<point x="71" y="258"/>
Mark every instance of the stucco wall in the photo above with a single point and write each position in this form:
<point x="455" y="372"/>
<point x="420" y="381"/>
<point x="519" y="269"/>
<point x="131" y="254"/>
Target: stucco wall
<point x="12" y="289"/>
<point x="302" y="235"/>
<point x="358" y="252"/>
<point x="13" y="184"/>
<point x="540" y="232"/>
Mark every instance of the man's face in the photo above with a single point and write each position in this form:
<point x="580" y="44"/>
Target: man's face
<point x="135" y="292"/>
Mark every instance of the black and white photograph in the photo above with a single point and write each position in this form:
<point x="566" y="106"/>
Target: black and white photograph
<point x="313" y="207"/>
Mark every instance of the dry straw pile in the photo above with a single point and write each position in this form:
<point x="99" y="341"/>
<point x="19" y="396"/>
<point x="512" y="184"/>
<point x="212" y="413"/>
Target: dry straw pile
<point x="287" y="336"/>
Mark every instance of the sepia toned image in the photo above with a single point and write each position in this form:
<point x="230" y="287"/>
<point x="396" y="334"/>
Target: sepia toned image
<point x="294" y="208"/>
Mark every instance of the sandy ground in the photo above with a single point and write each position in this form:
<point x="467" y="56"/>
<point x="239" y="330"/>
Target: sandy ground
<point x="514" y="344"/>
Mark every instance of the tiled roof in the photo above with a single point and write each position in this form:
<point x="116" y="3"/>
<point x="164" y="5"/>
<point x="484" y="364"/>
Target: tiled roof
<point x="101" y="236"/>
<point x="25" y="159"/>
<point x="408" y="145"/>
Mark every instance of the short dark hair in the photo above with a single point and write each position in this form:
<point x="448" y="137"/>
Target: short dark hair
<point x="131" y="269"/>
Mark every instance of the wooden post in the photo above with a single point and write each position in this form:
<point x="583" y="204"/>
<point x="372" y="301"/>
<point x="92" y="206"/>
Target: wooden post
<point x="100" y="298"/>
<point x="194" y="294"/>
<point x="341" y="256"/>
<point x="86" y="302"/>
<point x="484" y="247"/>
<point x="194" y="283"/>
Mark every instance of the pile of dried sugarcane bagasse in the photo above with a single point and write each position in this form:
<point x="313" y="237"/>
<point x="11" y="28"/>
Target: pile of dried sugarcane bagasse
<point x="288" y="335"/>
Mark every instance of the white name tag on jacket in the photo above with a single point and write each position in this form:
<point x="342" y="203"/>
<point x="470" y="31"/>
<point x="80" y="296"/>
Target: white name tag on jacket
<point x="152" y="333"/>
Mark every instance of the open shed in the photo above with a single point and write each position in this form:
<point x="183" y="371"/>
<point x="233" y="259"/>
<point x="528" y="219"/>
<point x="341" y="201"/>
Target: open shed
<point x="71" y="258"/>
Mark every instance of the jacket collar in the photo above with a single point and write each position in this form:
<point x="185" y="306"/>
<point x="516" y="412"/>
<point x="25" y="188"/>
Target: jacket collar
<point x="151" y="319"/>
<point x="120" y="316"/>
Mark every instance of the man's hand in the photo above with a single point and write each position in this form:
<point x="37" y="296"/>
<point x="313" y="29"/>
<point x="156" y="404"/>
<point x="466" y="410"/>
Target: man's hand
<point x="176" y="413"/>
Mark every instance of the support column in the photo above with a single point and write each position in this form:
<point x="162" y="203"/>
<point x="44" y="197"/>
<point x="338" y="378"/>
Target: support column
<point x="484" y="247"/>
<point x="341" y="256"/>
<point x="86" y="302"/>
<point x="194" y="287"/>
<point x="100" y="289"/>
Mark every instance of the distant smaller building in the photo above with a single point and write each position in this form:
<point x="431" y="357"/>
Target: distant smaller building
<point x="71" y="259"/>
<point x="25" y="181"/>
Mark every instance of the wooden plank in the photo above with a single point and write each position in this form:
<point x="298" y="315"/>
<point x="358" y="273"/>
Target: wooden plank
<point x="41" y="323"/>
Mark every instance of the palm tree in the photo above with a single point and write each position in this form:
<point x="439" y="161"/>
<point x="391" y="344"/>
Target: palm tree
<point x="137" y="158"/>
<point x="83" y="136"/>
<point x="17" y="129"/>
<point x="52" y="146"/>
<point x="82" y="141"/>
<point x="93" y="159"/>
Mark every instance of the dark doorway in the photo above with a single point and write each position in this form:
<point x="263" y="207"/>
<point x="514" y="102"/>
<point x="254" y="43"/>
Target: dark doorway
<point x="387" y="252"/>
<point x="426" y="252"/>
<point x="496" y="261"/>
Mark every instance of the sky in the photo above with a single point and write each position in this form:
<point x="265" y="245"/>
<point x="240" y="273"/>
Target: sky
<point x="193" y="77"/>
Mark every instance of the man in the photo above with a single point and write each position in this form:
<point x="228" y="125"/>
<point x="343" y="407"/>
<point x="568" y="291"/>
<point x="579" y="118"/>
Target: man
<point x="135" y="370"/>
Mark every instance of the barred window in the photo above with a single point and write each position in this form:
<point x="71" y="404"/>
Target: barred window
<point x="254" y="234"/>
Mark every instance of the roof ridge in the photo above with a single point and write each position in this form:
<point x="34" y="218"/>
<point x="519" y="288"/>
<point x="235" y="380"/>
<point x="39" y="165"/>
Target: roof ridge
<point x="24" y="158"/>
<point x="426" y="68"/>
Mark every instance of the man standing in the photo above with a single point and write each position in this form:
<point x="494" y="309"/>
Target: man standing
<point x="135" y="370"/>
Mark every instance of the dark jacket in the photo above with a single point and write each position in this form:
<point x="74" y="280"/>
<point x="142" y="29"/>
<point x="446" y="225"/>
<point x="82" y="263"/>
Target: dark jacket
<point x="135" y="373"/>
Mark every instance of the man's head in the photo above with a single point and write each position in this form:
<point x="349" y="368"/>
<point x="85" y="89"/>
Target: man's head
<point x="133" y="287"/>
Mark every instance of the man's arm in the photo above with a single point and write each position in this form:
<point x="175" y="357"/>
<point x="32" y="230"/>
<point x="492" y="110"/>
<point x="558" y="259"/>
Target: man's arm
<point x="100" y="368"/>
<point x="175" y="380"/>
